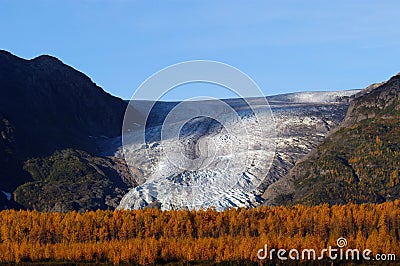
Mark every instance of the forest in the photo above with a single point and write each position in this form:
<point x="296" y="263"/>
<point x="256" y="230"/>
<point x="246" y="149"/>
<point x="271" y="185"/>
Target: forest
<point x="151" y="236"/>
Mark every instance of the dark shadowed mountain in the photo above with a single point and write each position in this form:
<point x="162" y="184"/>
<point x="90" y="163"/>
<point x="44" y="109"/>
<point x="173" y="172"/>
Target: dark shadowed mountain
<point x="53" y="106"/>
<point x="47" y="106"/>
<point x="359" y="162"/>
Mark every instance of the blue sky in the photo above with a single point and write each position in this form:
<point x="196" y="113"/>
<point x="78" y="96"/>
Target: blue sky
<point x="285" y="46"/>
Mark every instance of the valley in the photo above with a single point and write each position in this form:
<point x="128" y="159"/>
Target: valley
<point x="56" y="141"/>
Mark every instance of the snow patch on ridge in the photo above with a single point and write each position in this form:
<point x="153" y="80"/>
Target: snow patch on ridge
<point x="314" y="96"/>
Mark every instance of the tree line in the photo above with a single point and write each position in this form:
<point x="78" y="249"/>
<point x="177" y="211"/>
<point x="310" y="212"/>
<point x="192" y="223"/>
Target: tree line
<point x="152" y="236"/>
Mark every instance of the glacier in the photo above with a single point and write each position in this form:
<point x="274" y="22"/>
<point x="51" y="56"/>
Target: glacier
<point x="232" y="161"/>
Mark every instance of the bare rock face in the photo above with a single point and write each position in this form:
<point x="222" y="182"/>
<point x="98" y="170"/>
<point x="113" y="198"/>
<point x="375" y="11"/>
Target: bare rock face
<point x="8" y="150"/>
<point x="377" y="100"/>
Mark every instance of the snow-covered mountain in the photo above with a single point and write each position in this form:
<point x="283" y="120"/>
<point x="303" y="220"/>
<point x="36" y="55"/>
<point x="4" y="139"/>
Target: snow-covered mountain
<point x="232" y="161"/>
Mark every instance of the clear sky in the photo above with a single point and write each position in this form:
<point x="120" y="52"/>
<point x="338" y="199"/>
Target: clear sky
<point x="285" y="46"/>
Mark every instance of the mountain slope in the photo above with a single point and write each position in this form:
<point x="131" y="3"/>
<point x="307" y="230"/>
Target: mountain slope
<point x="73" y="180"/>
<point x="53" y="106"/>
<point x="47" y="106"/>
<point x="358" y="163"/>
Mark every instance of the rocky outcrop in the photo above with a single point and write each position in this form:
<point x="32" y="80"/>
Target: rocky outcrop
<point x="378" y="100"/>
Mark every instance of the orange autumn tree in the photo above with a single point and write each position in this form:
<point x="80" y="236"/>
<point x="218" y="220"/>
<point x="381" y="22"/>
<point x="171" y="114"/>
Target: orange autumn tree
<point x="150" y="236"/>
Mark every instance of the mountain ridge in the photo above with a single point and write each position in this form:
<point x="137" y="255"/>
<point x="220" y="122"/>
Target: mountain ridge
<point x="46" y="107"/>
